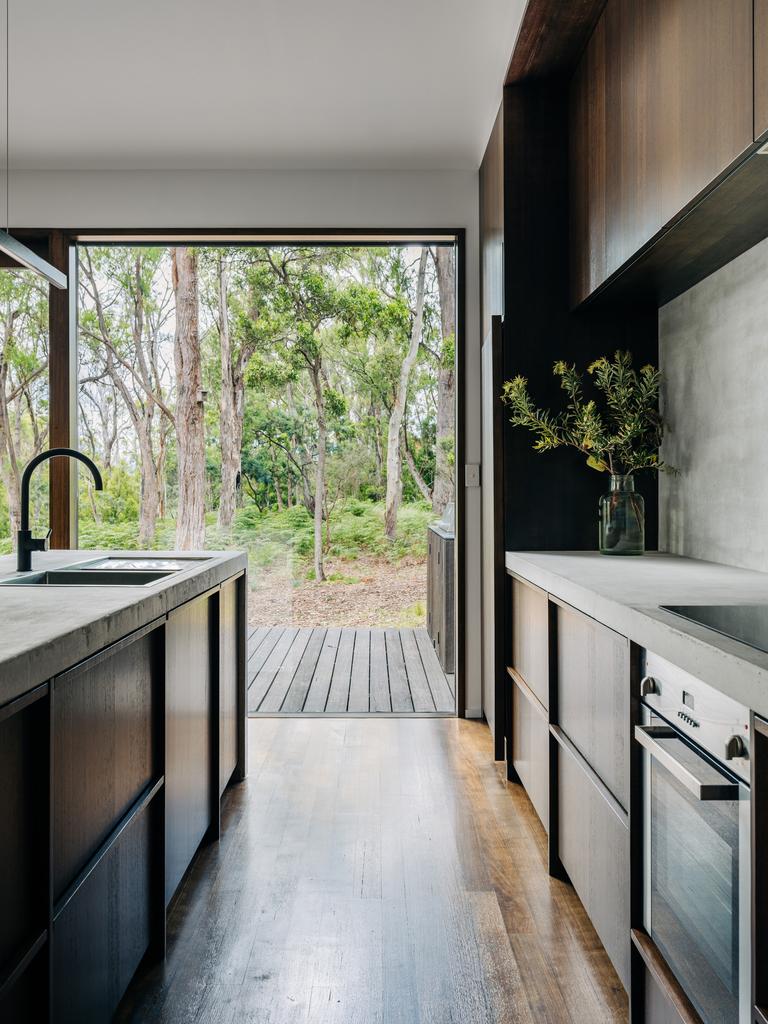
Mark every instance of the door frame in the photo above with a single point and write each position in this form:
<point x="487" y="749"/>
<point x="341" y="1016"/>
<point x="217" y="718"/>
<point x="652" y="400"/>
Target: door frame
<point x="63" y="359"/>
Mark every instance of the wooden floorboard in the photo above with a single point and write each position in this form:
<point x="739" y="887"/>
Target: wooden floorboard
<point x="399" y="691"/>
<point x="317" y="695"/>
<point x="291" y="655"/>
<point x="421" y="695"/>
<point x="438" y="684"/>
<point x="376" y="871"/>
<point x="345" y="671"/>
<point x="360" y="680"/>
<point x="338" y="694"/>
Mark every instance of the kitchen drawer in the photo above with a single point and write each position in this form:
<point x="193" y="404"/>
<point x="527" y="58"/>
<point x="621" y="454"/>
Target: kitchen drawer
<point x="593" y="687"/>
<point x="103" y="750"/>
<point x="530" y="637"/>
<point x="103" y="931"/>
<point x="530" y="750"/>
<point x="593" y="846"/>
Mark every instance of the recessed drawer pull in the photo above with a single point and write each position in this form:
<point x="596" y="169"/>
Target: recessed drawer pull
<point x="698" y="777"/>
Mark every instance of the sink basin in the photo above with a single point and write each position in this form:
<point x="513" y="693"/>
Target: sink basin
<point x="91" y="578"/>
<point x="144" y="563"/>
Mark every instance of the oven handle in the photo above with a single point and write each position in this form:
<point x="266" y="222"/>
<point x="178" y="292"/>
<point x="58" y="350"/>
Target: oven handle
<point x="644" y="734"/>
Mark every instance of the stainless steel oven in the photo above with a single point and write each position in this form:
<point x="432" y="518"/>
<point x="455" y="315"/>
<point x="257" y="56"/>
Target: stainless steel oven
<point x="696" y="838"/>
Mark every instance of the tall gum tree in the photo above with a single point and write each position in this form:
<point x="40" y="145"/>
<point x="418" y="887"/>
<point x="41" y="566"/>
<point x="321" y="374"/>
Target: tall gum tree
<point x="236" y="350"/>
<point x="23" y="361"/>
<point x="305" y="305"/>
<point x="124" y="308"/>
<point x="397" y="412"/>
<point x="190" y="420"/>
<point x="443" y="489"/>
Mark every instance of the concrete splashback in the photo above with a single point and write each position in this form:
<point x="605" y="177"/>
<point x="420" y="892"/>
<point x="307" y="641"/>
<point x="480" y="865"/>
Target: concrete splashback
<point x="713" y="344"/>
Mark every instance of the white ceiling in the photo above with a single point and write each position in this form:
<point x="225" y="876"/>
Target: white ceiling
<point x="240" y="84"/>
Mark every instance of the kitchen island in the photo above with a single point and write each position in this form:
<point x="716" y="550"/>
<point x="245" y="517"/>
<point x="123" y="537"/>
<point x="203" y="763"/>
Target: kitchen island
<point x="122" y="721"/>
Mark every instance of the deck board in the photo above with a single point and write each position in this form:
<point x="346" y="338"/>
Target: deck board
<point x="320" y="683"/>
<point x="438" y="684"/>
<point x="338" y="695"/>
<point x="360" y="681"/>
<point x="345" y="671"/>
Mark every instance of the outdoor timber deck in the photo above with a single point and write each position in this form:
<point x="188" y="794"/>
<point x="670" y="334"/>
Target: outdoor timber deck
<point x="345" y="671"/>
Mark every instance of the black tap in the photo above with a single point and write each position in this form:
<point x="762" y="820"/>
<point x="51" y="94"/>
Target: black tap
<point x="25" y="542"/>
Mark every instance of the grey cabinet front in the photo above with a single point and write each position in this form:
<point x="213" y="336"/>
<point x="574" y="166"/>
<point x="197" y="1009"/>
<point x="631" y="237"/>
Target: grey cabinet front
<point x="228" y="682"/>
<point x="594" y="850"/>
<point x="530" y="638"/>
<point x="530" y="750"/>
<point x="593" y="696"/>
<point x="188" y="736"/>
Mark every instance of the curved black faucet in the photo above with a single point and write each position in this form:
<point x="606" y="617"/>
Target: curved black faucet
<point x="25" y="542"/>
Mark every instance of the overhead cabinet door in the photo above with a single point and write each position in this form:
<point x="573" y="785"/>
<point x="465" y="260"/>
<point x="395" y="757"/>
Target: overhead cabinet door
<point x="661" y="104"/>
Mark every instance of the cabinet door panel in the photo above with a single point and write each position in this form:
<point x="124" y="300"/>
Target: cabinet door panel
<point x="24" y="818"/>
<point x="101" y="935"/>
<point x="103" y="756"/>
<point x="228" y="682"/>
<point x="661" y="104"/>
<point x="593" y="696"/>
<point x="530" y="638"/>
<point x="594" y="850"/>
<point x="187" y="736"/>
<point x="530" y="751"/>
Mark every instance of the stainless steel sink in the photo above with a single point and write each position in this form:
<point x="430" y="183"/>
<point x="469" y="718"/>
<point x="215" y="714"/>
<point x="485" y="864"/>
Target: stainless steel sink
<point x="91" y="578"/>
<point x="144" y="563"/>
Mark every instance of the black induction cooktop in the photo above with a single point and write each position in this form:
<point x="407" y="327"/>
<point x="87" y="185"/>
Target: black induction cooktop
<point x="747" y="623"/>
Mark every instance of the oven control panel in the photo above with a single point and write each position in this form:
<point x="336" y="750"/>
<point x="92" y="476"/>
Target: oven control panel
<point x="713" y="720"/>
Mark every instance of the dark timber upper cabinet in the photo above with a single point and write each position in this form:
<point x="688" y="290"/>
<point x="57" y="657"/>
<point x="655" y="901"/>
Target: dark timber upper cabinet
<point x="661" y="105"/>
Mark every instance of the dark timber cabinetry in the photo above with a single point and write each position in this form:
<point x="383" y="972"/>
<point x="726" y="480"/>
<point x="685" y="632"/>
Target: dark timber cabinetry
<point x="112" y="775"/>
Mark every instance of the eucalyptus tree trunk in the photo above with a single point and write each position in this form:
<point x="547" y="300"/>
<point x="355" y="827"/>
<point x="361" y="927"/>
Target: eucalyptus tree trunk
<point x="149" y="498"/>
<point x="443" y="489"/>
<point x="230" y="418"/>
<point x="9" y="463"/>
<point x="316" y="373"/>
<point x="190" y="425"/>
<point x="397" y="412"/>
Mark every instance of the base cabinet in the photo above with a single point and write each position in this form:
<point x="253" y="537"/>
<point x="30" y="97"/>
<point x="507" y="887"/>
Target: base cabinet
<point x="594" y="850"/>
<point x="113" y="774"/>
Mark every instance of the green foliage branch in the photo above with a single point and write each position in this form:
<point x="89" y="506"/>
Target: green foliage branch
<point x="618" y="427"/>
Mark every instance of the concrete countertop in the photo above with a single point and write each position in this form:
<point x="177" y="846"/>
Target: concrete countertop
<point x="625" y="593"/>
<point x="46" y="629"/>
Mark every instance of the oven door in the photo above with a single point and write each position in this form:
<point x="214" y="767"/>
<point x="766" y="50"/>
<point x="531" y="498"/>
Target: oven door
<point x="696" y="871"/>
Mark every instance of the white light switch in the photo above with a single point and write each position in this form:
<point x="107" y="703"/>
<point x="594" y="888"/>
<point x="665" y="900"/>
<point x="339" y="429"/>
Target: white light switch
<point x="472" y="475"/>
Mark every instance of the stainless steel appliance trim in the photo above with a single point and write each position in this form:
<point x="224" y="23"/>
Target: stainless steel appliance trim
<point x="646" y="736"/>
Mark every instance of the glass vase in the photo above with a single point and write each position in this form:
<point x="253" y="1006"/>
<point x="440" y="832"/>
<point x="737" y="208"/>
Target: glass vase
<point x="622" y="518"/>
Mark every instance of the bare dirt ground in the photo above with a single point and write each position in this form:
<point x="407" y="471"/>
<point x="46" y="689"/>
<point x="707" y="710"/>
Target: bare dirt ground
<point x="382" y="594"/>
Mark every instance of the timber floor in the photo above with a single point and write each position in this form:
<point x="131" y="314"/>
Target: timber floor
<point x="345" y="671"/>
<point x="376" y="871"/>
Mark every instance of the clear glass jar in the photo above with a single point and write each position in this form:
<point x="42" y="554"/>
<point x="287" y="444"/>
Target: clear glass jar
<point x="622" y="518"/>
